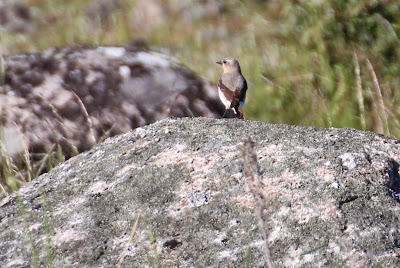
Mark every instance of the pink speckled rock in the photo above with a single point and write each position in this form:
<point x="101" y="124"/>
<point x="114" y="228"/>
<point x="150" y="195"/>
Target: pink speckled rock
<point x="330" y="198"/>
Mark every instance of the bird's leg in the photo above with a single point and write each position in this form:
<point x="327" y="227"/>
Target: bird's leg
<point x="240" y="114"/>
<point x="224" y="113"/>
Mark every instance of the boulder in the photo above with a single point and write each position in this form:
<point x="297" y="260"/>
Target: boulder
<point x="15" y="16"/>
<point x="201" y="192"/>
<point x="76" y="96"/>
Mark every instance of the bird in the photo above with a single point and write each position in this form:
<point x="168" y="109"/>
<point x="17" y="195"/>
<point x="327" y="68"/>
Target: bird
<point x="232" y="87"/>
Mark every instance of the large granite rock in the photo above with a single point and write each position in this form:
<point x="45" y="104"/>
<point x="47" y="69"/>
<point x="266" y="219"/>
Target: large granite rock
<point x="329" y="198"/>
<point x="15" y="16"/>
<point x="75" y="96"/>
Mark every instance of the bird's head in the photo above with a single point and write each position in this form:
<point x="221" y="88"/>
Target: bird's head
<point x="230" y="65"/>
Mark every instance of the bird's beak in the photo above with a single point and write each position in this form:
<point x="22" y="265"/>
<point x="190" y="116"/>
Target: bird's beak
<point x="219" y="62"/>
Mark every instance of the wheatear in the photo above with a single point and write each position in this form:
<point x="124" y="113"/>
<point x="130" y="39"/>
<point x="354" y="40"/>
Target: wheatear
<point x="232" y="86"/>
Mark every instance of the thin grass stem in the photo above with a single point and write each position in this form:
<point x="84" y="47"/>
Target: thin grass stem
<point x="360" y="98"/>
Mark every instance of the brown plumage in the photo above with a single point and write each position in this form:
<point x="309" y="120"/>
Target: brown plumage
<point x="232" y="86"/>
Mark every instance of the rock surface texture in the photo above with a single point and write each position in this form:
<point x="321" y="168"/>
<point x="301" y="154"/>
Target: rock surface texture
<point x="330" y="200"/>
<point x="75" y="96"/>
<point x="15" y="16"/>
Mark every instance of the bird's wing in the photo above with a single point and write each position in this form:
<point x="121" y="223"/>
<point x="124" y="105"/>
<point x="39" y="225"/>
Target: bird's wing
<point x="237" y="87"/>
<point x="225" y="89"/>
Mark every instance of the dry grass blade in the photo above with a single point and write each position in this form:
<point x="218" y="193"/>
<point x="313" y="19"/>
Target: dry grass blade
<point x="7" y="171"/>
<point x="60" y="156"/>
<point x="388" y="27"/>
<point x="153" y="241"/>
<point x="130" y="240"/>
<point x="378" y="120"/>
<point x="43" y="161"/>
<point x="3" y="191"/>
<point x="89" y="121"/>
<point x="395" y="130"/>
<point x="59" y="120"/>
<point x="381" y="105"/>
<point x="2" y="70"/>
<point x="360" y="98"/>
<point x="319" y="105"/>
<point x="252" y="174"/>
<point x="26" y="155"/>
<point x="17" y="169"/>
<point x="54" y="111"/>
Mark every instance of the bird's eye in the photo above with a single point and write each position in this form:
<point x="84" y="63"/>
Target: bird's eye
<point x="224" y="61"/>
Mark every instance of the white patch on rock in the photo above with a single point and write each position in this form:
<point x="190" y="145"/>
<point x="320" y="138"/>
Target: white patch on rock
<point x="115" y="52"/>
<point x="98" y="154"/>
<point x="35" y="226"/>
<point x="141" y="132"/>
<point x="197" y="198"/>
<point x="335" y="185"/>
<point x="228" y="254"/>
<point x="17" y="263"/>
<point x="98" y="187"/>
<point x="124" y="71"/>
<point x="69" y="235"/>
<point x="151" y="59"/>
<point x="91" y="77"/>
<point x="348" y="160"/>
<point x="126" y="171"/>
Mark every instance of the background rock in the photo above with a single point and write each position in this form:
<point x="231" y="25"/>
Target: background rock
<point x="15" y="16"/>
<point x="75" y="96"/>
<point x="331" y="199"/>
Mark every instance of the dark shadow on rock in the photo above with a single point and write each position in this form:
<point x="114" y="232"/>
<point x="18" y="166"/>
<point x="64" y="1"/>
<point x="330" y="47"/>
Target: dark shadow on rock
<point x="394" y="180"/>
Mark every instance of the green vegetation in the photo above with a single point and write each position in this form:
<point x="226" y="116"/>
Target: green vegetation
<point x="16" y="171"/>
<point x="300" y="57"/>
<point x="331" y="63"/>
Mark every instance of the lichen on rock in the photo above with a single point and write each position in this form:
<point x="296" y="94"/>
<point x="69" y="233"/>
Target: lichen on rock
<point x="185" y="177"/>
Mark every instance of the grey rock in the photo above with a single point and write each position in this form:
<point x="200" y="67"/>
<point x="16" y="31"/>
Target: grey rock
<point x="15" y="16"/>
<point x="330" y="200"/>
<point x="76" y="96"/>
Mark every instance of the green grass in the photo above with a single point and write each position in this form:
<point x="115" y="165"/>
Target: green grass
<point x="331" y="63"/>
<point x="298" y="56"/>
